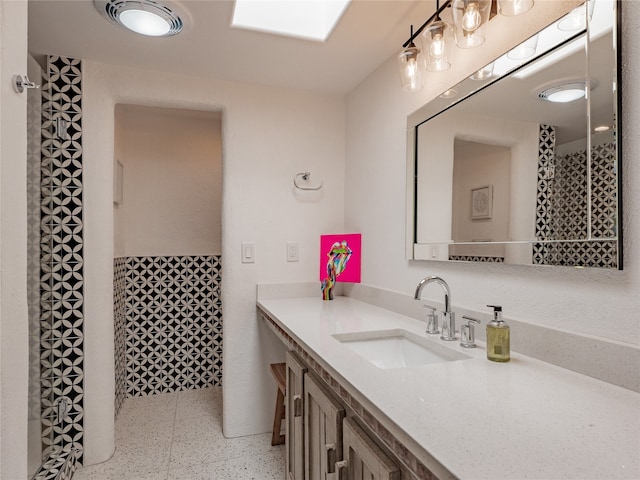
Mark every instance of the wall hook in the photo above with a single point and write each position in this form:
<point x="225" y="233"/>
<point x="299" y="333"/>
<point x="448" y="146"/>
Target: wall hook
<point x="21" y="82"/>
<point x="305" y="176"/>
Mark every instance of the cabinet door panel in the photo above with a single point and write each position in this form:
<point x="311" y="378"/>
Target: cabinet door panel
<point x="294" y="418"/>
<point x="365" y="460"/>
<point x="323" y="431"/>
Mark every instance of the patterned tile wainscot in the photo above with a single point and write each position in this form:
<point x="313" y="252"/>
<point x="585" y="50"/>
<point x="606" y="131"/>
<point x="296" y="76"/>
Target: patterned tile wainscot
<point x="168" y="317"/>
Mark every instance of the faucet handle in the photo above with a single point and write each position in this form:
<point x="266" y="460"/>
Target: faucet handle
<point x="468" y="332"/>
<point x="432" y="320"/>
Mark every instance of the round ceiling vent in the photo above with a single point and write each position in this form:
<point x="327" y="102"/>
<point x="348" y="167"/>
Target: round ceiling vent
<point x="142" y="16"/>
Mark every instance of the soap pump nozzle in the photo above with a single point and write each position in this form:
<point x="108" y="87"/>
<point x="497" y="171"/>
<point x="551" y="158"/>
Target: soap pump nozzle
<point x="497" y="313"/>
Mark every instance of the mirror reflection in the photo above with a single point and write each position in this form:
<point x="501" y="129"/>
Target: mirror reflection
<point x="524" y="170"/>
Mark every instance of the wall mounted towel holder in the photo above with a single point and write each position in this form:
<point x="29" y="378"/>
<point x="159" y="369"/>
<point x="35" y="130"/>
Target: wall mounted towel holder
<point x="305" y="177"/>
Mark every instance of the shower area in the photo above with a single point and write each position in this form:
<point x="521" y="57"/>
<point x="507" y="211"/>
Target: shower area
<point x="167" y="315"/>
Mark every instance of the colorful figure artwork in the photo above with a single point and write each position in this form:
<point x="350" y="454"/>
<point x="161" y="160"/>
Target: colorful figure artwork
<point x="336" y="253"/>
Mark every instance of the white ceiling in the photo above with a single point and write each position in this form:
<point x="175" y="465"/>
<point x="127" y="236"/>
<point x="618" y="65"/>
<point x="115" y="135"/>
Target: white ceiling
<point x="369" y="33"/>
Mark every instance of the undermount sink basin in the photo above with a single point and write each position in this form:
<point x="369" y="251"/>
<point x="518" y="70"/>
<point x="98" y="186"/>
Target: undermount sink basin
<point x="397" y="348"/>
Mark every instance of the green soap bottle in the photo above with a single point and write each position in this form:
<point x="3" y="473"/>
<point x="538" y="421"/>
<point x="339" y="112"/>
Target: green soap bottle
<point x="498" y="341"/>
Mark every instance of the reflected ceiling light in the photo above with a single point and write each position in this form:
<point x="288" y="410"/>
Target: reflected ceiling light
<point x="145" y="17"/>
<point x="525" y="50"/>
<point x="452" y="92"/>
<point x="470" y="19"/>
<point x="437" y="43"/>
<point x="602" y="128"/>
<point x="563" y="93"/>
<point x="484" y="73"/>
<point x="409" y="61"/>
<point x="510" y="8"/>
<point x="577" y="18"/>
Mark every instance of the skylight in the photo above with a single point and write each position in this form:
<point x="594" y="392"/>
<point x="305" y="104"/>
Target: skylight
<point x="308" y="19"/>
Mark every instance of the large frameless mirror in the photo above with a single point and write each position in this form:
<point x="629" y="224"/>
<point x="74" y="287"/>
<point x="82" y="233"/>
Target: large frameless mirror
<point x="519" y="163"/>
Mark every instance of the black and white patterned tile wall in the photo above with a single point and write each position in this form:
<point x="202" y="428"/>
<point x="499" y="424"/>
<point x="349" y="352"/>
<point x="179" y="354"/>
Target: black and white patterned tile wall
<point x="34" y="121"/>
<point x="173" y="323"/>
<point x="476" y="258"/>
<point x="562" y="208"/>
<point x="120" y="321"/>
<point x="61" y="261"/>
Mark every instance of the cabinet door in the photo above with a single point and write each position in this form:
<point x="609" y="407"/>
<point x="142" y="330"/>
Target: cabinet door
<point x="323" y="431"/>
<point x="364" y="460"/>
<point x="294" y="417"/>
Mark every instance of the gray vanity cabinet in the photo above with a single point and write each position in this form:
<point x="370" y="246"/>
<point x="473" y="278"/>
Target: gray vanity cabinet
<point x="323" y="431"/>
<point x="322" y="442"/>
<point x="294" y="418"/>
<point x="364" y="460"/>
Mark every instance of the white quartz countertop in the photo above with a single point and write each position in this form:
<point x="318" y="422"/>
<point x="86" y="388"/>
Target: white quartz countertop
<point x="479" y="419"/>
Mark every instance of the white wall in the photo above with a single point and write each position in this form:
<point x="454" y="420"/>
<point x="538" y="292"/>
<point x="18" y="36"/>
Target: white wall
<point x="14" y="347"/>
<point x="172" y="202"/>
<point x="436" y="141"/>
<point x="476" y="165"/>
<point x="268" y="136"/>
<point x="589" y="301"/>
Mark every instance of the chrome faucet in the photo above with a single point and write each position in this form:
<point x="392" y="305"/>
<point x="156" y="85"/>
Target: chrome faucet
<point x="448" y="317"/>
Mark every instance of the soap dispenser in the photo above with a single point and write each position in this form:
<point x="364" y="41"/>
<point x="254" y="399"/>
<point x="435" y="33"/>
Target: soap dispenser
<point x="498" y="342"/>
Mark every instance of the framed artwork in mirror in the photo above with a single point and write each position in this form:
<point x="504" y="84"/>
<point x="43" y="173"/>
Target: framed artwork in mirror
<point x="481" y="202"/>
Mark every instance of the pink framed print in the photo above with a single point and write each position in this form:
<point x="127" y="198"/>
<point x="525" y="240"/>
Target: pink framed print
<point x="340" y="260"/>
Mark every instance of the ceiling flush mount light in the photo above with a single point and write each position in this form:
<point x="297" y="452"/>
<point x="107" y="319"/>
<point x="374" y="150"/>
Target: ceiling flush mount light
<point x="602" y="128"/>
<point x="564" y="93"/>
<point x="470" y="19"/>
<point x="410" y="62"/>
<point x="437" y="43"/>
<point x="145" y="17"/>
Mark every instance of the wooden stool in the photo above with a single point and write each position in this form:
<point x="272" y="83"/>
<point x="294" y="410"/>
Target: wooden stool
<point x="279" y="372"/>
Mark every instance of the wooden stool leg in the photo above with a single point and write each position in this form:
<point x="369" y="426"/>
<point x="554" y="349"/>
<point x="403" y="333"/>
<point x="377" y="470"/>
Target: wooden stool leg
<point x="276" y="438"/>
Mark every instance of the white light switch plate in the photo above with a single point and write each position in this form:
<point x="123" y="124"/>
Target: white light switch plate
<point x="292" y="252"/>
<point x="248" y="252"/>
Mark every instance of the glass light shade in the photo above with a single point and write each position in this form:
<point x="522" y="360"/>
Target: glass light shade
<point x="511" y="8"/>
<point x="437" y="44"/>
<point x="452" y="92"/>
<point x="525" y="50"/>
<point x="484" y="73"/>
<point x="577" y="18"/>
<point x="144" y="22"/>
<point x="410" y="63"/>
<point x="470" y="19"/>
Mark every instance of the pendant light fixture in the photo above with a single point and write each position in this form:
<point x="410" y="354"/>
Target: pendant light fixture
<point x="437" y="43"/>
<point x="509" y="8"/>
<point x="410" y="62"/>
<point x="484" y="73"/>
<point x="438" y="37"/>
<point x="470" y="18"/>
<point x="577" y="18"/>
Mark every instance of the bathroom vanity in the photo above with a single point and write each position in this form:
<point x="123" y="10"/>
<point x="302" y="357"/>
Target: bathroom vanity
<point x="455" y="416"/>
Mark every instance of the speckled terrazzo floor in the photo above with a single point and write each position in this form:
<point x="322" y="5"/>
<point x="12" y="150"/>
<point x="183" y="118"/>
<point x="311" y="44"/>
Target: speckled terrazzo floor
<point x="178" y="436"/>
